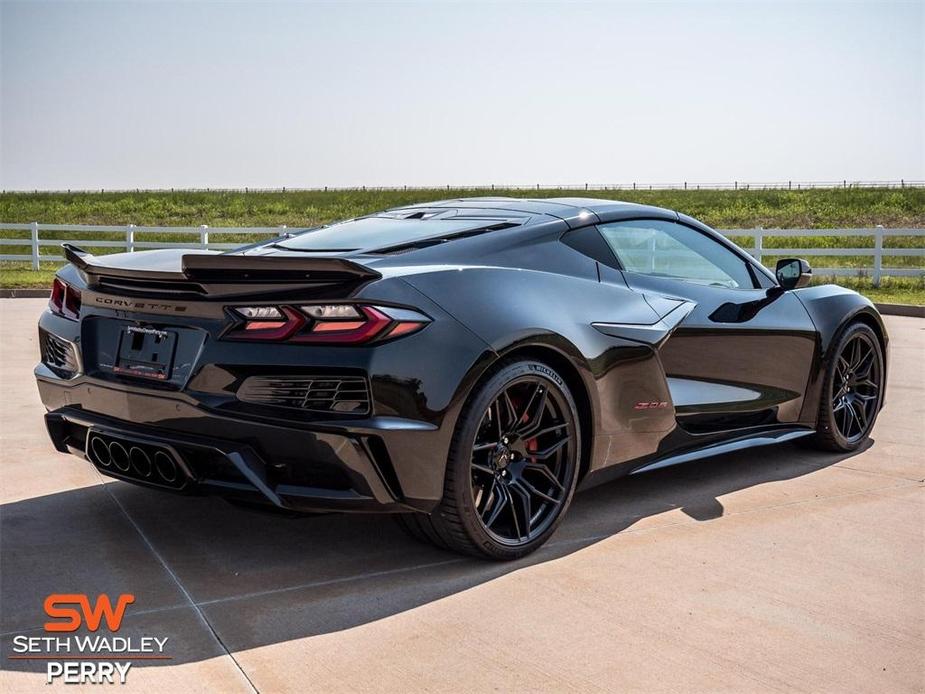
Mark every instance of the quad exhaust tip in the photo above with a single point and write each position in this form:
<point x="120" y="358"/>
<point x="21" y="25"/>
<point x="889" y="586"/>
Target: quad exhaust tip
<point x="141" y="462"/>
<point x="119" y="456"/>
<point x="166" y="466"/>
<point x="100" y="452"/>
<point x="135" y="460"/>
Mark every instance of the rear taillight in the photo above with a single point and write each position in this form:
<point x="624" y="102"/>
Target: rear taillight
<point x="344" y="324"/>
<point x="65" y="300"/>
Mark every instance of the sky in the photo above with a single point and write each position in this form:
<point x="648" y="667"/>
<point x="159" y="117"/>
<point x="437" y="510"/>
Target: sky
<point x="123" y="95"/>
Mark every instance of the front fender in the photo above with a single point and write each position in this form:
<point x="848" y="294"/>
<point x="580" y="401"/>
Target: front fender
<point x="832" y="309"/>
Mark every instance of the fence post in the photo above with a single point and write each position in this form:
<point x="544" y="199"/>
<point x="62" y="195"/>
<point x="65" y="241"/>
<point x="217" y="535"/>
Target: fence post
<point x="878" y="254"/>
<point x="759" y="243"/>
<point x="34" y="229"/>
<point x="130" y="238"/>
<point x="204" y="235"/>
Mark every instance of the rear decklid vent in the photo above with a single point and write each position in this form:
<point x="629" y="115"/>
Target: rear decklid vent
<point x="145" y="287"/>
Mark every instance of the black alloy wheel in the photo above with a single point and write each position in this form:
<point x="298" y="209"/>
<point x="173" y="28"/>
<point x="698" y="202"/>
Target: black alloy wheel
<point x="521" y="464"/>
<point x="512" y="469"/>
<point x="852" y="391"/>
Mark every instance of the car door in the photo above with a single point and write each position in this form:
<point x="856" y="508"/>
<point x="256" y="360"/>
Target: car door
<point x="742" y="354"/>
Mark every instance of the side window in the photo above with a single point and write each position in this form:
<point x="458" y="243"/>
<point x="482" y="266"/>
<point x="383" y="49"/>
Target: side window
<point x="666" y="249"/>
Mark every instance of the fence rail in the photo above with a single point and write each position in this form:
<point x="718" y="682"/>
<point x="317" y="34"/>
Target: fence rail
<point x="203" y="234"/>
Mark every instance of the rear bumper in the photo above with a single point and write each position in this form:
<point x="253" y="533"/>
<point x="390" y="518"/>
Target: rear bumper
<point x="305" y="458"/>
<point x="342" y="466"/>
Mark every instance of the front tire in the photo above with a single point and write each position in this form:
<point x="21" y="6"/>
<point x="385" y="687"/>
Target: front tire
<point x="512" y="468"/>
<point x="851" y="392"/>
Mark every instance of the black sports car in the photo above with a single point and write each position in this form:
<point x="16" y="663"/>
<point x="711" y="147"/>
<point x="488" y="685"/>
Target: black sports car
<point x="466" y="364"/>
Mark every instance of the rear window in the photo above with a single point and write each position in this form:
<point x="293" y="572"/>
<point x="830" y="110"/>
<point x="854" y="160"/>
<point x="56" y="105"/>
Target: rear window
<point x="370" y="233"/>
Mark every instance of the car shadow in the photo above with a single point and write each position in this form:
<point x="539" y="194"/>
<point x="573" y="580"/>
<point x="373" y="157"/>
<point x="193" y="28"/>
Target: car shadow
<point x="199" y="565"/>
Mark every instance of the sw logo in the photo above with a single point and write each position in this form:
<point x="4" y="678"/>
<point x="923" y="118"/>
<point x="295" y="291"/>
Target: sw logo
<point x="59" y="606"/>
<point x="92" y="658"/>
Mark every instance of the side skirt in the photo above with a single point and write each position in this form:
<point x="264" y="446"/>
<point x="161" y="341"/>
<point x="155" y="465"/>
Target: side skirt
<point x="763" y="439"/>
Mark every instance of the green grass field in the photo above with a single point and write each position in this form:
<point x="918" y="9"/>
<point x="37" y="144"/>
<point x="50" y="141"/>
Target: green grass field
<point x="725" y="209"/>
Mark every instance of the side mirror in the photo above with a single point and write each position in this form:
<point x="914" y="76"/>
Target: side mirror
<point x="793" y="273"/>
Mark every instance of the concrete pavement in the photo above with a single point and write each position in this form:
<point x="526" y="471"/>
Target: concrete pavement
<point x="773" y="569"/>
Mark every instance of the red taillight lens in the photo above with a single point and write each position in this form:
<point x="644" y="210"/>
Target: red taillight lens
<point x="56" y="302"/>
<point x="65" y="300"/>
<point x="404" y="328"/>
<point x="343" y="324"/>
<point x="270" y="328"/>
<point x="348" y="332"/>
<point x="72" y="302"/>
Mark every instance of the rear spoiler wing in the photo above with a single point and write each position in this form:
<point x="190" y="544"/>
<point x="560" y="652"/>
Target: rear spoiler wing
<point x="220" y="268"/>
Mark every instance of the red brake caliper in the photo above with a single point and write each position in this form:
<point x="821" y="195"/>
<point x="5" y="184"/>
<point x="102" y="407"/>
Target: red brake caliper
<point x="530" y="444"/>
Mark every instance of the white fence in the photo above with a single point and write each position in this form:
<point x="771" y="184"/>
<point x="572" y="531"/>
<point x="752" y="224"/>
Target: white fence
<point x="875" y="270"/>
<point x="130" y="242"/>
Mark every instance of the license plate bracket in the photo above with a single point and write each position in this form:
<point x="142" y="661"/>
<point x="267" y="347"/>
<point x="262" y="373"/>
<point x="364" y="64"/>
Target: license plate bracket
<point x="146" y="352"/>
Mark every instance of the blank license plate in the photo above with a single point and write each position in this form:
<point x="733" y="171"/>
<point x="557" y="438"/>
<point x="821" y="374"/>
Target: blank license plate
<point x="146" y="352"/>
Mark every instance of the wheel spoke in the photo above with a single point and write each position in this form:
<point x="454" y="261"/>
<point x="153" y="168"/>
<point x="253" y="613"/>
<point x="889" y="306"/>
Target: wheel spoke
<point x="498" y="426"/>
<point x="861" y="414"/>
<point x="531" y="489"/>
<point x="484" y="446"/>
<point x="547" y="473"/>
<point x="548" y="430"/>
<point x="525" y="505"/>
<point x="855" y="354"/>
<point x="852" y="420"/>
<point x="841" y="366"/>
<point x="547" y="452"/>
<point x="842" y="412"/>
<point x="511" y="412"/>
<point x="524" y="415"/>
<point x="482" y="468"/>
<point x="510" y="504"/>
<point x="864" y="368"/>
<point x="500" y="501"/>
<point x="534" y="421"/>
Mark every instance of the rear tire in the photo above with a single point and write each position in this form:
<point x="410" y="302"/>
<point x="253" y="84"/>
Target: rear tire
<point x="512" y="467"/>
<point x="851" y="391"/>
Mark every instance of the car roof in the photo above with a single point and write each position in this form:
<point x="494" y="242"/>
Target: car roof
<point x="575" y="211"/>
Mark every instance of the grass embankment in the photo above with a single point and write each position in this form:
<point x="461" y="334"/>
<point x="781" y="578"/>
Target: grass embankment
<point x="725" y="209"/>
